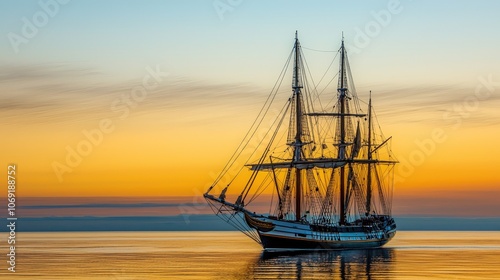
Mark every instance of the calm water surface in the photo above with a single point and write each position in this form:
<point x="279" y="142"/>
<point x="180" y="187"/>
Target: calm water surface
<point x="230" y="255"/>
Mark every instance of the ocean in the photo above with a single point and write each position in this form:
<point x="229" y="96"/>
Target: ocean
<point x="231" y="255"/>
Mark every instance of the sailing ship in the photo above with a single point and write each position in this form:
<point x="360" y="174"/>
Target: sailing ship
<point x="327" y="176"/>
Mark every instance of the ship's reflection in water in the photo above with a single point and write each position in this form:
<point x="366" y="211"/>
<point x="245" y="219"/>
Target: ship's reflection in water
<point x="348" y="264"/>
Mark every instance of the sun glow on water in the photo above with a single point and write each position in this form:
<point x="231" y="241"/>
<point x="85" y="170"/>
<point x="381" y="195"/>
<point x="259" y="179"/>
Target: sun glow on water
<point x="208" y="255"/>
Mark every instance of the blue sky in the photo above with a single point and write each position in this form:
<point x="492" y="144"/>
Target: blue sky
<point x="249" y="40"/>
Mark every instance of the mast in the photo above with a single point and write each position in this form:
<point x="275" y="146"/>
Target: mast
<point x="342" y="96"/>
<point x="369" y="175"/>
<point x="298" y="136"/>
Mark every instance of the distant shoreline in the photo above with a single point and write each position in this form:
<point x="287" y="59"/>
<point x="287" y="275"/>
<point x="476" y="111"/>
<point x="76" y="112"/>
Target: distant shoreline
<point x="213" y="223"/>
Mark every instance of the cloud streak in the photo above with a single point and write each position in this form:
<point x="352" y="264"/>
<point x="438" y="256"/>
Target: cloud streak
<point x="213" y="223"/>
<point x="58" y="93"/>
<point x="428" y="104"/>
<point x="55" y="93"/>
<point x="112" y="205"/>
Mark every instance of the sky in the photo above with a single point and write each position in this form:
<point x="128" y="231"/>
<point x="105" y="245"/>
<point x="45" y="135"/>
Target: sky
<point x="150" y="98"/>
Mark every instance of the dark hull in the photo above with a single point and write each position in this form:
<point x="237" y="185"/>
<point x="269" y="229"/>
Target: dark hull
<point x="270" y="242"/>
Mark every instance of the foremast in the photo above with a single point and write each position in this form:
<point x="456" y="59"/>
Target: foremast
<point x="298" y="143"/>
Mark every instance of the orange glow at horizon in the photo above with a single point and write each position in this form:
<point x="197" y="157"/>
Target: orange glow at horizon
<point x="170" y="153"/>
<point x="137" y="160"/>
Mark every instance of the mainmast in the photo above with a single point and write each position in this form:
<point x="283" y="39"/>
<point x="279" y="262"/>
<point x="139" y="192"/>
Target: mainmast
<point x="298" y="136"/>
<point x="342" y="99"/>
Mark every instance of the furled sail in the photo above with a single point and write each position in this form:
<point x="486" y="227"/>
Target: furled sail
<point x="357" y="143"/>
<point x="318" y="163"/>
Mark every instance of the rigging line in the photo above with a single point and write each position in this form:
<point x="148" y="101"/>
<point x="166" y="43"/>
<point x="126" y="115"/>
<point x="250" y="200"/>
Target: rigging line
<point x="237" y="221"/>
<point x="312" y="79"/>
<point x="232" y="159"/>
<point x="391" y="188"/>
<point x="378" y="124"/>
<point x="323" y="132"/>
<point x="382" y="134"/>
<point x="254" y="127"/>
<point x="313" y="121"/>
<point x="282" y="157"/>
<point x="272" y="197"/>
<point x="316" y="192"/>
<point x="324" y="74"/>
<point x="250" y="182"/>
<point x="266" y="150"/>
<point x="337" y="102"/>
<point x="333" y="78"/>
<point x="260" y="189"/>
<point x="353" y="87"/>
<point x="309" y="128"/>
<point x="283" y="112"/>
<point x="315" y="50"/>
<point x="309" y="100"/>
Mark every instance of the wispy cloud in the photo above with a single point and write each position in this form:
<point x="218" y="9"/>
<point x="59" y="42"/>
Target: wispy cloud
<point x="111" y="205"/>
<point x="56" y="93"/>
<point x="452" y="203"/>
<point x="428" y="104"/>
<point x="213" y="223"/>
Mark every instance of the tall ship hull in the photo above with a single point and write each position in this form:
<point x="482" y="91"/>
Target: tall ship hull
<point x="325" y="171"/>
<point x="296" y="236"/>
<point x="280" y="235"/>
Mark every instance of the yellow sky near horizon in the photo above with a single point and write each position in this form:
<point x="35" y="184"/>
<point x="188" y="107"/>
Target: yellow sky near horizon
<point x="176" y="151"/>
